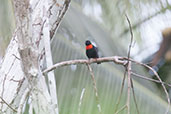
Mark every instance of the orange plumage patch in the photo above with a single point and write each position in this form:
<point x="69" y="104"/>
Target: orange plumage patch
<point x="89" y="47"/>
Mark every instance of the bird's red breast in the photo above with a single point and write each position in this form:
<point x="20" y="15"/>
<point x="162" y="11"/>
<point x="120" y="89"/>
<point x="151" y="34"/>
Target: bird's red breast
<point x="89" y="47"/>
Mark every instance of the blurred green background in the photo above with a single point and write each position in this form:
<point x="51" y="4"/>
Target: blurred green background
<point x="103" y="22"/>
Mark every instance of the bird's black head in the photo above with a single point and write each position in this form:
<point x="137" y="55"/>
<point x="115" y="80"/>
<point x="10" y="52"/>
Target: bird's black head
<point x="87" y="42"/>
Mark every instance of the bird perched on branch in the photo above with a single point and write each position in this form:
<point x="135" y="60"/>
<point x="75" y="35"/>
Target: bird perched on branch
<point x="91" y="50"/>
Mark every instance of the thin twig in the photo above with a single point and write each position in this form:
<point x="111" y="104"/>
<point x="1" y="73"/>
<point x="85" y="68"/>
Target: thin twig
<point x="60" y="17"/>
<point x="156" y="74"/>
<point x="149" y="79"/>
<point x="81" y="99"/>
<point x="8" y="104"/>
<point x="129" y="52"/>
<point x="129" y="87"/>
<point x="132" y="86"/>
<point x="129" y="69"/>
<point x="125" y="106"/>
<point x="123" y="81"/>
<point x="117" y="60"/>
<point x="95" y="87"/>
<point x="130" y="45"/>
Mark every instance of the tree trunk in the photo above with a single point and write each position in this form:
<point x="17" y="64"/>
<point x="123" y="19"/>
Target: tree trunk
<point x="21" y="78"/>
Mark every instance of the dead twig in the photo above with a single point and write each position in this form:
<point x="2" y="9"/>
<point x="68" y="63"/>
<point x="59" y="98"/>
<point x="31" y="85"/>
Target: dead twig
<point x="95" y="87"/>
<point x="156" y="74"/>
<point x="125" y="106"/>
<point x="122" y="86"/>
<point x="129" y="69"/>
<point x="116" y="59"/>
<point x="129" y="81"/>
<point x="129" y="87"/>
<point x="136" y="105"/>
<point x="149" y="79"/>
<point x="130" y="28"/>
<point x="8" y="104"/>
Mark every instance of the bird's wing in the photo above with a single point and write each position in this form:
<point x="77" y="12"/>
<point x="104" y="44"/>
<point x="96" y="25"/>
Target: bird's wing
<point x="96" y="48"/>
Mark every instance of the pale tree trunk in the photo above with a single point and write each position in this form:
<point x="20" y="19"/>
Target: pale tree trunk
<point x="21" y="78"/>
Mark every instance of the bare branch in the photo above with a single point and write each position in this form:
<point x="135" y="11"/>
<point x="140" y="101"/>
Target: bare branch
<point x="129" y="69"/>
<point x="149" y="79"/>
<point x="49" y="62"/>
<point x="115" y="59"/>
<point x="130" y="28"/>
<point x="129" y="86"/>
<point x="8" y="104"/>
<point x="123" y="81"/>
<point x="156" y="74"/>
<point x="125" y="106"/>
<point x="129" y="52"/>
<point x="62" y="12"/>
<point x="132" y="86"/>
<point x="95" y="87"/>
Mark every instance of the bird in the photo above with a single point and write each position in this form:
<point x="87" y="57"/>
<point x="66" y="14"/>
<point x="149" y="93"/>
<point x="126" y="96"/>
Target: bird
<point x="91" y="51"/>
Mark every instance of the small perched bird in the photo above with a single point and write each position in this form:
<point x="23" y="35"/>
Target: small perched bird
<point x="91" y="50"/>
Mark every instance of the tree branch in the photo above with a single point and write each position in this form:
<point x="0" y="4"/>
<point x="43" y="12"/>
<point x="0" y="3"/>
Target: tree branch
<point x="156" y="74"/>
<point x="48" y="56"/>
<point x="129" y="86"/>
<point x="8" y="104"/>
<point x="115" y="59"/>
<point x="129" y="65"/>
<point x="130" y="45"/>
